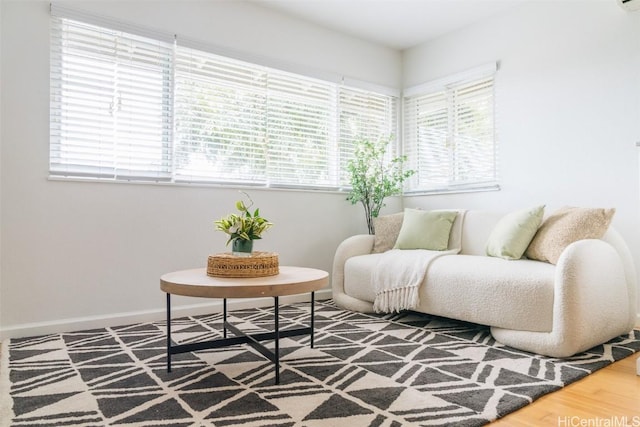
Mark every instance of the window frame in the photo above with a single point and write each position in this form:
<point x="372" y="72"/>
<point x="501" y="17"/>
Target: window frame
<point x="109" y="98"/>
<point x="332" y="144"/>
<point x="445" y="88"/>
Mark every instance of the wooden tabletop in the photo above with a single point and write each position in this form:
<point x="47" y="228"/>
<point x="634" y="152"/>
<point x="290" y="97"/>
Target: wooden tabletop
<point x="290" y="281"/>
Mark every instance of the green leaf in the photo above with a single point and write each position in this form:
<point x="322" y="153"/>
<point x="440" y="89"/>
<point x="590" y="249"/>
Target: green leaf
<point x="373" y="176"/>
<point x="244" y="225"/>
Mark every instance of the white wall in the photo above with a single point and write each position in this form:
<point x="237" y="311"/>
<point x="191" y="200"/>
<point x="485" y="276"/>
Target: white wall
<point x="74" y="252"/>
<point x="568" y="106"/>
<point x="0" y="160"/>
<point x="568" y="93"/>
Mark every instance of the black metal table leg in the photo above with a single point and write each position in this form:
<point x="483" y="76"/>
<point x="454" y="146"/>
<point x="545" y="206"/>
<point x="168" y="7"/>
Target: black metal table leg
<point x="224" y="321"/>
<point x="243" y="338"/>
<point x="168" y="332"/>
<point x="313" y="298"/>
<point x="276" y="316"/>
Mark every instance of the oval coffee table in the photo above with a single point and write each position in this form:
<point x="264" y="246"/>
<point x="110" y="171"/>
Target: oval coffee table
<point x="196" y="283"/>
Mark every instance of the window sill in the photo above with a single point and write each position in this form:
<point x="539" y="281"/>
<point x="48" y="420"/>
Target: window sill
<point x="494" y="187"/>
<point x="222" y="186"/>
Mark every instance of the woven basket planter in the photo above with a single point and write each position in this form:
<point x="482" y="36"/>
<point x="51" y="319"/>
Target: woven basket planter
<point x="259" y="264"/>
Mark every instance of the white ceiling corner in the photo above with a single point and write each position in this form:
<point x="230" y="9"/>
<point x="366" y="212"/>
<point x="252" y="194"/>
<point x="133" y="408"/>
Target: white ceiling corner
<point x="398" y="24"/>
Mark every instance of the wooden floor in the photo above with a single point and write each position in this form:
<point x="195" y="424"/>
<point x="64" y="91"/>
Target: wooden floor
<point x="605" y="397"/>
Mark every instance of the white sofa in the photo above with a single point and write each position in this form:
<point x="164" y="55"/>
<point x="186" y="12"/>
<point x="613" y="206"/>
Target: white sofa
<point x="586" y="299"/>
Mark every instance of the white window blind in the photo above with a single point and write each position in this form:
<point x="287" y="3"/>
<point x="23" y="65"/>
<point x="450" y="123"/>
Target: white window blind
<point x="239" y="122"/>
<point x="111" y="97"/>
<point x="220" y="120"/>
<point x="301" y="134"/>
<point x="130" y="107"/>
<point x="363" y="115"/>
<point x="449" y="137"/>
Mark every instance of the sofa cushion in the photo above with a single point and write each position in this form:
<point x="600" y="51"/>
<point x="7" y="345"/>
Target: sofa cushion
<point x="455" y="237"/>
<point x="514" y="294"/>
<point x="425" y="229"/>
<point x="512" y="234"/>
<point x="476" y="230"/>
<point x="565" y="226"/>
<point x="387" y="228"/>
<point x="357" y="276"/>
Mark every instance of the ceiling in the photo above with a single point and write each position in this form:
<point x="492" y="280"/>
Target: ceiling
<point x="398" y="24"/>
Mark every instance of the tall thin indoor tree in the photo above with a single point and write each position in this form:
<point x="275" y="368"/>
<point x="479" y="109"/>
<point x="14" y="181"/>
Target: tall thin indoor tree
<point x="374" y="176"/>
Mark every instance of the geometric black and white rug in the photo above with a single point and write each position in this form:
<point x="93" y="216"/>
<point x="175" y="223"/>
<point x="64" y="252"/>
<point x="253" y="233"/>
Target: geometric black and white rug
<point x="365" y="370"/>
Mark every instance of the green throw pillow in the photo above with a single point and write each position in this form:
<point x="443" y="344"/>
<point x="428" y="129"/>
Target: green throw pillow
<point x="425" y="230"/>
<point x="512" y="234"/>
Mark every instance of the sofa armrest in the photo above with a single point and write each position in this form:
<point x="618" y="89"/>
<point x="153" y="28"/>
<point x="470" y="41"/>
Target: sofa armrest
<point x="361" y="244"/>
<point x="591" y="303"/>
<point x="591" y="294"/>
<point x="615" y="239"/>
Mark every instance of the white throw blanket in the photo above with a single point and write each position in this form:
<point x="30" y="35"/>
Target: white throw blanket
<point x="398" y="276"/>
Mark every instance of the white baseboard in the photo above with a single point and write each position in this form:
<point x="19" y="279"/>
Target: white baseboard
<point x="119" y="319"/>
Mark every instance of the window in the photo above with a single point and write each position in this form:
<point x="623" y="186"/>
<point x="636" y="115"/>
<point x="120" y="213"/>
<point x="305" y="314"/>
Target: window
<point x="449" y="135"/>
<point x="238" y="122"/>
<point x="127" y="107"/>
<point x="110" y="103"/>
<point x="363" y="115"/>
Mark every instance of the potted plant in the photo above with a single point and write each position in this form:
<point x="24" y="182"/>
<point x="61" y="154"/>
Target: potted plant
<point x="243" y="228"/>
<point x="373" y="177"/>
